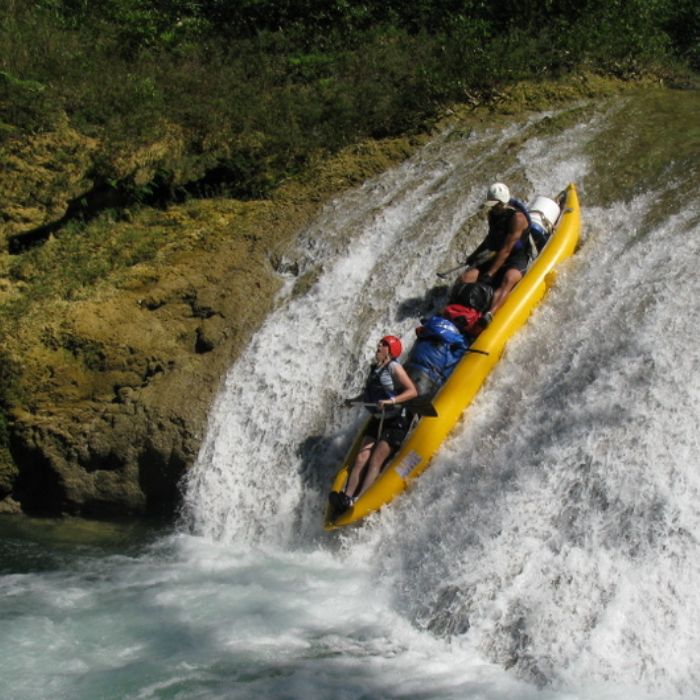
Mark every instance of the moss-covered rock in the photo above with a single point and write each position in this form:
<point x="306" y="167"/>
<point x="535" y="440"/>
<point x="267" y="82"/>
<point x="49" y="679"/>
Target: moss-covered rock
<point x="121" y="328"/>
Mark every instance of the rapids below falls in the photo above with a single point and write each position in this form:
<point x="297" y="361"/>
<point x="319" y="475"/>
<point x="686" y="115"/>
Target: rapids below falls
<point x="551" y="551"/>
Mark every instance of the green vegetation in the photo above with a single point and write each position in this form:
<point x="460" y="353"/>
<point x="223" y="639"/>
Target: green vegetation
<point x="246" y="94"/>
<point x="261" y="86"/>
<point x="85" y="255"/>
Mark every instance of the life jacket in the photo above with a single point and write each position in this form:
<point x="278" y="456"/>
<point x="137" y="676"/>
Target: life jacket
<point x="522" y="208"/>
<point x="438" y="348"/>
<point x="499" y="226"/>
<point x="380" y="386"/>
<point x="537" y="236"/>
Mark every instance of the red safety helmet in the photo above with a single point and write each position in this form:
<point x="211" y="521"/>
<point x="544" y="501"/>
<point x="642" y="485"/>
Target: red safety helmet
<point x="394" y="345"/>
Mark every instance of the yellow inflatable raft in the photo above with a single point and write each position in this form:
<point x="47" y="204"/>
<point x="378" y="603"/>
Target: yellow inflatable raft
<point x="463" y="384"/>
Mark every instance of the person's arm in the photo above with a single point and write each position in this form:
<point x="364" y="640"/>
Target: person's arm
<point x="518" y="224"/>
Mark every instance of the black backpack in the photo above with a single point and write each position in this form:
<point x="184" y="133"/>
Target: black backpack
<point x="473" y="295"/>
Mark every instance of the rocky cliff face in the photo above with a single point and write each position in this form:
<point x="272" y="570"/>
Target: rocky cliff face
<point x="106" y="384"/>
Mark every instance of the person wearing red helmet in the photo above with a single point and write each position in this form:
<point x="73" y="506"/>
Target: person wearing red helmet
<point x="387" y="387"/>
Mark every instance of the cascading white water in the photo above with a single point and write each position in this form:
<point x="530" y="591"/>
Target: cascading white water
<point x="550" y="552"/>
<point x="567" y="504"/>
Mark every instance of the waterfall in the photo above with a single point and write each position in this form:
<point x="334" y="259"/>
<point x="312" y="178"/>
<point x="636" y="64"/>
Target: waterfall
<point x="563" y="506"/>
<point x="549" y="552"/>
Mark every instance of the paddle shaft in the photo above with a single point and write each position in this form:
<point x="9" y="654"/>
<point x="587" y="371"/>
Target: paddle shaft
<point x="480" y="259"/>
<point x="420" y="405"/>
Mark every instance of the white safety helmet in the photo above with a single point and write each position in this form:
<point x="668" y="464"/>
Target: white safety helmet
<point x="498" y="192"/>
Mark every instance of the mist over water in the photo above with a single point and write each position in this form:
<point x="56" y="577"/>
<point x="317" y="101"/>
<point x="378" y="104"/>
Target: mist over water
<point x="550" y="551"/>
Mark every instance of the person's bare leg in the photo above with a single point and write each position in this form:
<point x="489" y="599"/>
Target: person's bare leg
<point x="511" y="278"/>
<point x="360" y="463"/>
<point x="469" y="276"/>
<point x="379" y="455"/>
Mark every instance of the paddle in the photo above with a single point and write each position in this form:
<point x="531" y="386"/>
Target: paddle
<point x="480" y="259"/>
<point x="421" y="406"/>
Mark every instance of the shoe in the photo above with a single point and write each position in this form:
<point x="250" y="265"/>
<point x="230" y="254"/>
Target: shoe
<point x="339" y="501"/>
<point x="486" y="319"/>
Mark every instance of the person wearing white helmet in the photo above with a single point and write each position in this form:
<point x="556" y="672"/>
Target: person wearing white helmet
<point x="504" y="253"/>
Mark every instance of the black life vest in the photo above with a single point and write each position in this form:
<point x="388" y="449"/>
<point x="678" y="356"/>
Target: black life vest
<point x="381" y="385"/>
<point x="499" y="227"/>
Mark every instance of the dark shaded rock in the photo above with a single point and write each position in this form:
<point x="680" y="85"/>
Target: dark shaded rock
<point x="204" y="343"/>
<point x="8" y="473"/>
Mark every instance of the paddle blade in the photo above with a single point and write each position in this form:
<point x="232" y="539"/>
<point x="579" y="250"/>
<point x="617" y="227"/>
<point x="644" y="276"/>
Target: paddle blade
<point x="422" y="406"/>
